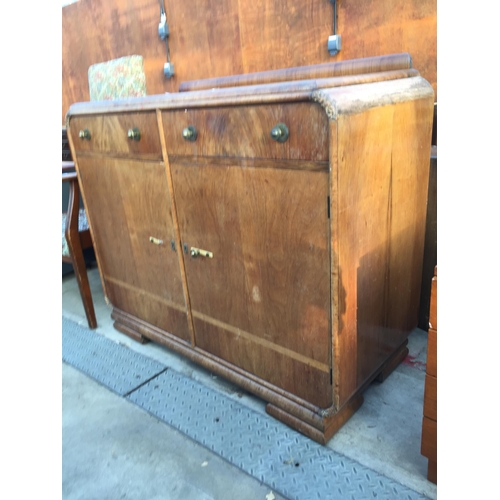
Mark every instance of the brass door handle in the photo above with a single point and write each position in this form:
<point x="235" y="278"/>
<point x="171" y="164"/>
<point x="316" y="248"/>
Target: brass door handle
<point x="156" y="241"/>
<point x="134" y="134"/>
<point x="84" y="134"/>
<point x="204" y="253"/>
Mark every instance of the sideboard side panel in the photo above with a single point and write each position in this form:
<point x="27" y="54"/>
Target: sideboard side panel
<point x="382" y="187"/>
<point x="336" y="277"/>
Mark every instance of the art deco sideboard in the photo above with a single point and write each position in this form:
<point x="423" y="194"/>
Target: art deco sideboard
<point x="272" y="233"/>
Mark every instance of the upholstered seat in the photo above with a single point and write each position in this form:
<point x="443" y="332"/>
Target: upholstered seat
<point x="83" y="225"/>
<point x="117" y="79"/>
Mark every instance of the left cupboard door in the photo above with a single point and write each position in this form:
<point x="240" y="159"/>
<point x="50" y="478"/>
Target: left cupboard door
<point x="130" y="211"/>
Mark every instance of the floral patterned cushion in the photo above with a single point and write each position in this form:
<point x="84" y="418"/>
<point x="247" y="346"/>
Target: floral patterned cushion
<point x="117" y="79"/>
<point x="82" y="226"/>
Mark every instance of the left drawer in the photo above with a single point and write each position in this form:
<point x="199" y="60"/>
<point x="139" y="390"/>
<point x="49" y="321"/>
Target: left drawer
<point x="131" y="134"/>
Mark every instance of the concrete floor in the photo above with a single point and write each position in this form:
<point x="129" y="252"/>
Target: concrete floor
<point x="105" y="456"/>
<point x="112" y="449"/>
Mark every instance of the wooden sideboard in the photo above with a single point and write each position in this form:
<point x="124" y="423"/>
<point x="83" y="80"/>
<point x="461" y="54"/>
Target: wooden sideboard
<point x="429" y="422"/>
<point x="272" y="233"/>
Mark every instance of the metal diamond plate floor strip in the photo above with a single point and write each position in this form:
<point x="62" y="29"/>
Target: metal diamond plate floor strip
<point x="263" y="447"/>
<point x="285" y="460"/>
<point x="115" y="366"/>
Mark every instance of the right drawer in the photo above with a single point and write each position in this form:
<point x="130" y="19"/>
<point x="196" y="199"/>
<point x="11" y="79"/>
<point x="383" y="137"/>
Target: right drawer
<point x="244" y="131"/>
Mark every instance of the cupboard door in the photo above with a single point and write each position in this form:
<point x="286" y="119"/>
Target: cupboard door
<point x="262" y="302"/>
<point x="128" y="203"/>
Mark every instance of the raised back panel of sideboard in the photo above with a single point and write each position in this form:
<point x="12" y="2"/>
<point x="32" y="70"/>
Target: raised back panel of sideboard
<point x="231" y="37"/>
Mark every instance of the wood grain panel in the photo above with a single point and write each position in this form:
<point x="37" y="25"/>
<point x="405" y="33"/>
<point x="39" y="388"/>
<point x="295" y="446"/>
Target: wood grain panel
<point x="433" y="305"/>
<point x="429" y="438"/>
<point x="430" y="397"/>
<point x="205" y="38"/>
<point x="230" y="37"/>
<point x="127" y="203"/>
<point x="432" y="353"/>
<point x="370" y="28"/>
<point x="150" y="308"/>
<point x="364" y="143"/>
<point x="410" y="169"/>
<point x="218" y="161"/>
<point x="361" y="66"/>
<point x="286" y="33"/>
<point x="244" y="131"/>
<point x="268" y="231"/>
<point x="108" y="134"/>
<point x="95" y="31"/>
<point x="148" y="212"/>
<point x="289" y="374"/>
<point x="380" y="174"/>
<point x="103" y="201"/>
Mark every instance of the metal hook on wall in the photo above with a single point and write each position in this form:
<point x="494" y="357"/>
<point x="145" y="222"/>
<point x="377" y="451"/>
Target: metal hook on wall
<point x="164" y="32"/>
<point x="334" y="41"/>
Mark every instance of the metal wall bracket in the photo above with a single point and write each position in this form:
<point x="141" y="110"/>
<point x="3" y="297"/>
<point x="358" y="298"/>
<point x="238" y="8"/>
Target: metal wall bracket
<point x="334" y="44"/>
<point x="168" y="69"/>
<point x="335" y="40"/>
<point x="163" y="29"/>
<point x="164" y="33"/>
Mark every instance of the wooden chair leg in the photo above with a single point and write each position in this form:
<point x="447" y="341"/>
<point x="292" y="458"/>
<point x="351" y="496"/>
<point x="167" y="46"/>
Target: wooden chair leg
<point x="73" y="238"/>
<point x="83" y="284"/>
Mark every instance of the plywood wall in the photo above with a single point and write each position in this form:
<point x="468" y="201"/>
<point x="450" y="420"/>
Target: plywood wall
<point x="212" y="38"/>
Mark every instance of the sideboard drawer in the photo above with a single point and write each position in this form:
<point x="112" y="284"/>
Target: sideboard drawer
<point x="245" y="132"/>
<point x="110" y="134"/>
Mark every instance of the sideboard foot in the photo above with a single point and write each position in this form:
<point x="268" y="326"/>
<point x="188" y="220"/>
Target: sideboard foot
<point x="393" y="362"/>
<point x="130" y="333"/>
<point x="329" y="425"/>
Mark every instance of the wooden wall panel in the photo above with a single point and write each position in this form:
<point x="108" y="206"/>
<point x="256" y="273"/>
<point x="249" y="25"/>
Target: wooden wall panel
<point x="377" y="27"/>
<point x="284" y="33"/>
<point x="205" y="38"/>
<point x="95" y="31"/>
<point x="211" y="38"/>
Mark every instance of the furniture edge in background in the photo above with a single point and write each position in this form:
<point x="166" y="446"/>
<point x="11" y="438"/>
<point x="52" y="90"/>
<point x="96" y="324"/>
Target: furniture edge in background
<point x="429" y="421"/>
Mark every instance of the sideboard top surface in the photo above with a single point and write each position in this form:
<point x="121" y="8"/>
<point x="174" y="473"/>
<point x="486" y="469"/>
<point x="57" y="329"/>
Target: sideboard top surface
<point x="342" y="95"/>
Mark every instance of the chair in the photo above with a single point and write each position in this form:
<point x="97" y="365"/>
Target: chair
<point x="76" y="238"/>
<point x="116" y="79"/>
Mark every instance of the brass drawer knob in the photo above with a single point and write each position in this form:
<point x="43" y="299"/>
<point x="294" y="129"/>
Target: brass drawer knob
<point x="280" y="132"/>
<point x="189" y="133"/>
<point x="84" y="134"/>
<point x="134" y="134"/>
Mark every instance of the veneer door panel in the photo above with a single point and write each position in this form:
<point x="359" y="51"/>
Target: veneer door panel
<point x="130" y="203"/>
<point x="263" y="301"/>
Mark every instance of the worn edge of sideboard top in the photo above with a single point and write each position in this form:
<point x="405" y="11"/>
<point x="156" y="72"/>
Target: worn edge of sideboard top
<point x="375" y="85"/>
<point x="350" y="96"/>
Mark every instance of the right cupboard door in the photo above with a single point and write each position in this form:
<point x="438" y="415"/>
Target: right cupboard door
<point x="262" y="301"/>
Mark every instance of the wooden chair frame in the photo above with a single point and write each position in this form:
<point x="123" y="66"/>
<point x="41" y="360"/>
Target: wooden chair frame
<point x="77" y="241"/>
